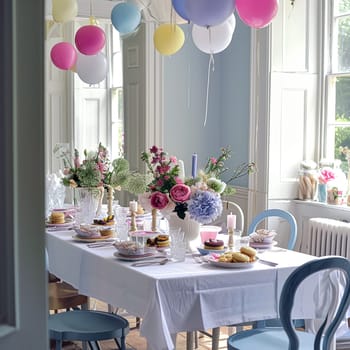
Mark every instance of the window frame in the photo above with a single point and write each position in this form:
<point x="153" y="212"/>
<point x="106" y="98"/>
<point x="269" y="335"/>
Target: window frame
<point x="330" y="74"/>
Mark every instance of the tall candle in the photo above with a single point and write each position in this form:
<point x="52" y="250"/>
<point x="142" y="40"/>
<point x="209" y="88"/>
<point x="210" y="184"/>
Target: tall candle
<point x="133" y="206"/>
<point x="181" y="170"/>
<point x="194" y="165"/>
<point x="231" y="222"/>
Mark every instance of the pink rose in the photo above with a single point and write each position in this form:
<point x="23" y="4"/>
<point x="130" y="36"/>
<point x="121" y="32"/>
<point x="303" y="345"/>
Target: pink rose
<point x="173" y="159"/>
<point x="180" y="193"/>
<point x="159" y="200"/>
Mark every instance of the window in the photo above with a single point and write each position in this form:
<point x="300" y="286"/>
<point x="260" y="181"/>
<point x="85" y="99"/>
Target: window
<point x="117" y="107"/>
<point x="338" y="82"/>
<point x="98" y="109"/>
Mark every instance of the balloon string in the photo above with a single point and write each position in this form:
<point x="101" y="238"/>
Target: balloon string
<point x="172" y="17"/>
<point x="210" y="40"/>
<point x="211" y="63"/>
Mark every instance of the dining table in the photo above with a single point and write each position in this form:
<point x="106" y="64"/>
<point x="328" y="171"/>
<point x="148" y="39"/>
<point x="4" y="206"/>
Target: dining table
<point x="180" y="296"/>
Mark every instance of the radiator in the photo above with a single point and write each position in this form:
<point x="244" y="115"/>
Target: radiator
<point x="328" y="237"/>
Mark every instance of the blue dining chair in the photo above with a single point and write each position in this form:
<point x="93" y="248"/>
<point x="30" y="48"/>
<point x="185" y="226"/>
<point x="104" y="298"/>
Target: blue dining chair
<point x="277" y="213"/>
<point x="287" y="337"/>
<point x="287" y="216"/>
<point x="87" y="326"/>
<point x="215" y="335"/>
<point x="81" y="325"/>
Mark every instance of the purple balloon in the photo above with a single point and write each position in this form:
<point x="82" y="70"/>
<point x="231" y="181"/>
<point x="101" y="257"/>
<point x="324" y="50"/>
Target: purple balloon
<point x="179" y="7"/>
<point x="208" y="12"/>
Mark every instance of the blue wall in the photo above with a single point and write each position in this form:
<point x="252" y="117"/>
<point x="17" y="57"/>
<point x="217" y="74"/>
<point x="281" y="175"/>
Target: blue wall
<point x="185" y="85"/>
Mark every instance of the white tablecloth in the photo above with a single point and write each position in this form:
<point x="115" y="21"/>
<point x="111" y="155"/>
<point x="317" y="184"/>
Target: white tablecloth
<point x="178" y="296"/>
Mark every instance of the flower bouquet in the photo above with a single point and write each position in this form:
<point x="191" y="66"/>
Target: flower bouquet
<point x="200" y="197"/>
<point x="95" y="173"/>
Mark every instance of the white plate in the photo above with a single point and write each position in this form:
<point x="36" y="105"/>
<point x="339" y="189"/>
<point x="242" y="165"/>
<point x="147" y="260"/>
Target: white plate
<point x="230" y="265"/>
<point x="66" y="224"/>
<point x="262" y="245"/>
<point x="91" y="239"/>
<point x="134" y="257"/>
<point x="209" y="251"/>
<point x="145" y="234"/>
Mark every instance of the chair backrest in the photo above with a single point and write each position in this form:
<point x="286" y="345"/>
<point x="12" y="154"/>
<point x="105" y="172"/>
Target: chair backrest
<point x="287" y="300"/>
<point x="227" y="208"/>
<point x="279" y="213"/>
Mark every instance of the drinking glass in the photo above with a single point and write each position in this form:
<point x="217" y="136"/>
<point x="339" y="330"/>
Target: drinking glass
<point x="178" y="250"/>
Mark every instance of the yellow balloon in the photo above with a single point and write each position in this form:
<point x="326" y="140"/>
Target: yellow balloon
<point x="168" y="39"/>
<point x="64" y="10"/>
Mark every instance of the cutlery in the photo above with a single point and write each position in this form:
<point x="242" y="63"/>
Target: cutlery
<point x="269" y="263"/>
<point x="197" y="258"/>
<point x="103" y="243"/>
<point x="153" y="262"/>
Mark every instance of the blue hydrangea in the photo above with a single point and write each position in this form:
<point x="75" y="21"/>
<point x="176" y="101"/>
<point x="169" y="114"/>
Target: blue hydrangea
<point x="205" y="206"/>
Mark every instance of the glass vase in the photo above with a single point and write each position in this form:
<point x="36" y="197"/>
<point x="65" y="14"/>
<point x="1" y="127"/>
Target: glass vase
<point x="89" y="203"/>
<point x="322" y="193"/>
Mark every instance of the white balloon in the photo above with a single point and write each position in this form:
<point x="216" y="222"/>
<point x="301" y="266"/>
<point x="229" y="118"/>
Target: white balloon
<point x="214" y="39"/>
<point x="232" y="21"/>
<point x="92" y="69"/>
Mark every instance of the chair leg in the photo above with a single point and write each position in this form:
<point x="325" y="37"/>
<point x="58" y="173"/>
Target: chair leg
<point x="58" y="345"/>
<point x="121" y="345"/>
<point x="189" y="341"/>
<point x="94" y="345"/>
<point x="215" y="338"/>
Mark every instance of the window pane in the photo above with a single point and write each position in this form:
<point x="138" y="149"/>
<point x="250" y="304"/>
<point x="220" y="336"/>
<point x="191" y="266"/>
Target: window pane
<point x="341" y="6"/>
<point x="342" y="139"/>
<point x="343" y="47"/>
<point x="342" y="99"/>
<point x="338" y="132"/>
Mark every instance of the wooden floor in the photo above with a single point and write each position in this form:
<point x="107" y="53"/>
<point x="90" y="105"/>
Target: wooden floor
<point x="136" y="342"/>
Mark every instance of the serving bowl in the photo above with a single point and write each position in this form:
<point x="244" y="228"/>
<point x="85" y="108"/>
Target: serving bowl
<point x="129" y="248"/>
<point x="263" y="236"/>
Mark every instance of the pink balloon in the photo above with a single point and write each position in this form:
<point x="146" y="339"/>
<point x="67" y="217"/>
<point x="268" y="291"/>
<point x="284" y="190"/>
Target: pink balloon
<point x="257" y="14"/>
<point x="63" y="55"/>
<point x="90" y="39"/>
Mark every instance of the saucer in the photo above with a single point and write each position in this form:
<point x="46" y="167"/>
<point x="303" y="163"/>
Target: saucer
<point x="78" y="238"/>
<point x="203" y="251"/>
<point x="133" y="257"/>
<point x="262" y="245"/>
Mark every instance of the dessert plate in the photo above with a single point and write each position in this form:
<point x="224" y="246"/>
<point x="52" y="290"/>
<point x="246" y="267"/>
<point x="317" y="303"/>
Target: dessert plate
<point x="136" y="257"/>
<point x="66" y="224"/>
<point x="91" y="239"/>
<point x="145" y="234"/>
<point x="231" y="265"/>
<point x="209" y="251"/>
<point x="262" y="245"/>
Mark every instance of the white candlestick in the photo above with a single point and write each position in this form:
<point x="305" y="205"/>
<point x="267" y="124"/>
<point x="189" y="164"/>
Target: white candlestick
<point x="231" y="222"/>
<point x="133" y="206"/>
<point x="181" y="170"/>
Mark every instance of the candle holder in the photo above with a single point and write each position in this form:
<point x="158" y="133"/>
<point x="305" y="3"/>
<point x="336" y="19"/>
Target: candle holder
<point x="133" y="221"/>
<point x="230" y="243"/>
<point x="154" y="220"/>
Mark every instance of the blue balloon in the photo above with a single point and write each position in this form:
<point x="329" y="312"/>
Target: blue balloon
<point x="125" y="17"/>
<point x="179" y="7"/>
<point x="209" y="12"/>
